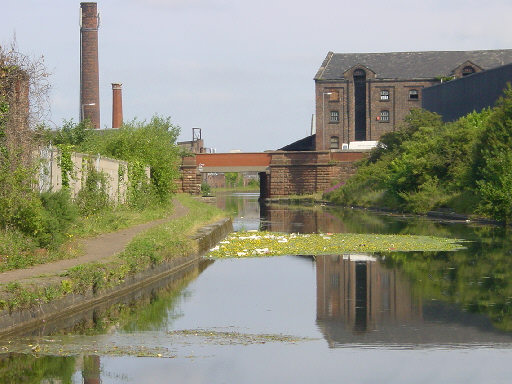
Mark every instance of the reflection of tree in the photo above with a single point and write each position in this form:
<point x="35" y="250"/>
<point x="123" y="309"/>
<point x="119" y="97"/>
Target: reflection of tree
<point x="91" y="372"/>
<point x="151" y="308"/>
<point x="162" y="309"/>
<point x="479" y="279"/>
<point x="229" y="203"/>
<point x="18" y="368"/>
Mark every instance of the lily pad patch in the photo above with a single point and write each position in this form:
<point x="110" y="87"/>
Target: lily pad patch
<point x="257" y="244"/>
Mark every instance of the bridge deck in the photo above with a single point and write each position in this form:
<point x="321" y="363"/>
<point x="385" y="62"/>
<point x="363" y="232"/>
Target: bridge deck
<point x="233" y="162"/>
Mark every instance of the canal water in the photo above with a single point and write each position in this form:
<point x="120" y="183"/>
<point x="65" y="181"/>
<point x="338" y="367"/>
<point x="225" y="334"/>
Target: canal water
<point x="357" y="318"/>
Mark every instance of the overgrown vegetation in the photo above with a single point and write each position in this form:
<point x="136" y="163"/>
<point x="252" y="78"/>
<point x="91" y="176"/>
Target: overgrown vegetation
<point x="39" y="227"/>
<point x="169" y="240"/>
<point x="465" y="165"/>
<point x="141" y="144"/>
<point x="25" y="216"/>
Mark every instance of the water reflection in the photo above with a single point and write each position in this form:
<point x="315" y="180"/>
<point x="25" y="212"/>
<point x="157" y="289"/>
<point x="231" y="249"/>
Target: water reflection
<point x="19" y="368"/>
<point x="360" y="300"/>
<point x="245" y="207"/>
<point x="91" y="372"/>
<point x="355" y="292"/>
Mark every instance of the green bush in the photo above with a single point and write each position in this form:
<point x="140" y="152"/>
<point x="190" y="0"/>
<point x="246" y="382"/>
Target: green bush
<point x="492" y="169"/>
<point x="93" y="196"/>
<point x="419" y="168"/>
<point x="205" y="188"/>
<point x="71" y="133"/>
<point x="59" y="214"/>
<point x="142" y="144"/>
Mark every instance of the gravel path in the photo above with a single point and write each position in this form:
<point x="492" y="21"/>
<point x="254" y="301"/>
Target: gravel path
<point x="96" y="249"/>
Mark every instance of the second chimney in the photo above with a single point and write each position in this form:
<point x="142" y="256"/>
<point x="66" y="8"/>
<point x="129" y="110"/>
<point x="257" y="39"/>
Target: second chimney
<point x="117" y="105"/>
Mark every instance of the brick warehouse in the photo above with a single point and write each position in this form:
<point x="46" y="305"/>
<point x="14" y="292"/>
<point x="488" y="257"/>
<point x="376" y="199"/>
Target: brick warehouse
<point x="360" y="96"/>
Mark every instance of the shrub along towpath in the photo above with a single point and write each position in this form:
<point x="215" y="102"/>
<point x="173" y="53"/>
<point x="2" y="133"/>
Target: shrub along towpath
<point x="96" y="249"/>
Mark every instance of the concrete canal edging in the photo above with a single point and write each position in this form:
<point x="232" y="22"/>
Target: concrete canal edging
<point x="25" y="320"/>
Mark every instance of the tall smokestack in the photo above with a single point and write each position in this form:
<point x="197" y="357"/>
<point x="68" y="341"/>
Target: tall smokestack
<point x="89" y="71"/>
<point x="117" y="105"/>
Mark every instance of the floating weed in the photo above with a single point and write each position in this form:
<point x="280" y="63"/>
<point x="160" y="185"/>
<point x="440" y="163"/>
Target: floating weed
<point x="257" y="244"/>
<point x="45" y="347"/>
<point x="209" y="336"/>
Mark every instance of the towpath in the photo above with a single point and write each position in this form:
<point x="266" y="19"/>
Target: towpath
<point x="95" y="249"/>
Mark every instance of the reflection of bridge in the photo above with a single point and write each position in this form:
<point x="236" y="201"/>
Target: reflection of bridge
<point x="281" y="173"/>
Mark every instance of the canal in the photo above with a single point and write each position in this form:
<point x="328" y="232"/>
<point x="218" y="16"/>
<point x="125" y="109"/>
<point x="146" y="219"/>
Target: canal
<point x="419" y="317"/>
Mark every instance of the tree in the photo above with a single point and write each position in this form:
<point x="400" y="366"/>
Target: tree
<point x="23" y="102"/>
<point x="492" y="170"/>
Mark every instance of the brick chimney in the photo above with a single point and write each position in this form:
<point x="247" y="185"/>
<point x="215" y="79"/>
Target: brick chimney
<point x="89" y="71"/>
<point x="117" y="105"/>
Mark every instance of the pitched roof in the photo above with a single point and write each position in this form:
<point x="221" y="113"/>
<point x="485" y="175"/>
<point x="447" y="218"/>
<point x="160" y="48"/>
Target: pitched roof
<point x="410" y="65"/>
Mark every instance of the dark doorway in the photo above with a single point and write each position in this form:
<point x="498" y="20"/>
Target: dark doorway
<point x="360" y="104"/>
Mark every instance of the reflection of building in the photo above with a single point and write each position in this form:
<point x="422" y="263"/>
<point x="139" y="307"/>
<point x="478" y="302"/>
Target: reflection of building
<point x="360" y="301"/>
<point x="357" y="291"/>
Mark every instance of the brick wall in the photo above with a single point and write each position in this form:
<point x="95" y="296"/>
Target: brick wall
<point x="342" y="100"/>
<point x="190" y="181"/>
<point x="298" y="173"/>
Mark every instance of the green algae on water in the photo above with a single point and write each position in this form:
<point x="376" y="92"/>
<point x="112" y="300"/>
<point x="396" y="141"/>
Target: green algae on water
<point x="211" y="336"/>
<point x="257" y="244"/>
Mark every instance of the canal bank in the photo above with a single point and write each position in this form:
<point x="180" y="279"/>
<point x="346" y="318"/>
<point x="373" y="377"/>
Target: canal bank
<point x="46" y="293"/>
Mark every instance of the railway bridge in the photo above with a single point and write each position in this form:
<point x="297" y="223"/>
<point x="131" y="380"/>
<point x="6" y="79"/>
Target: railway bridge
<point x="281" y="173"/>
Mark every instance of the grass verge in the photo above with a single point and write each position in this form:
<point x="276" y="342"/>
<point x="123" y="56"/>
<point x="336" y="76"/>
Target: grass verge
<point x="157" y="245"/>
<point x="20" y="251"/>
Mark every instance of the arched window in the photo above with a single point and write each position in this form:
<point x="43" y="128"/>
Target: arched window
<point x="359" y="73"/>
<point x="384" y="95"/>
<point x="468" y="70"/>
<point x="335" y="142"/>
<point x="413" y="94"/>
<point x="384" y="116"/>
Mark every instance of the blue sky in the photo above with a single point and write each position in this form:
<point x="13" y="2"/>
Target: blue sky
<point x="240" y="70"/>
